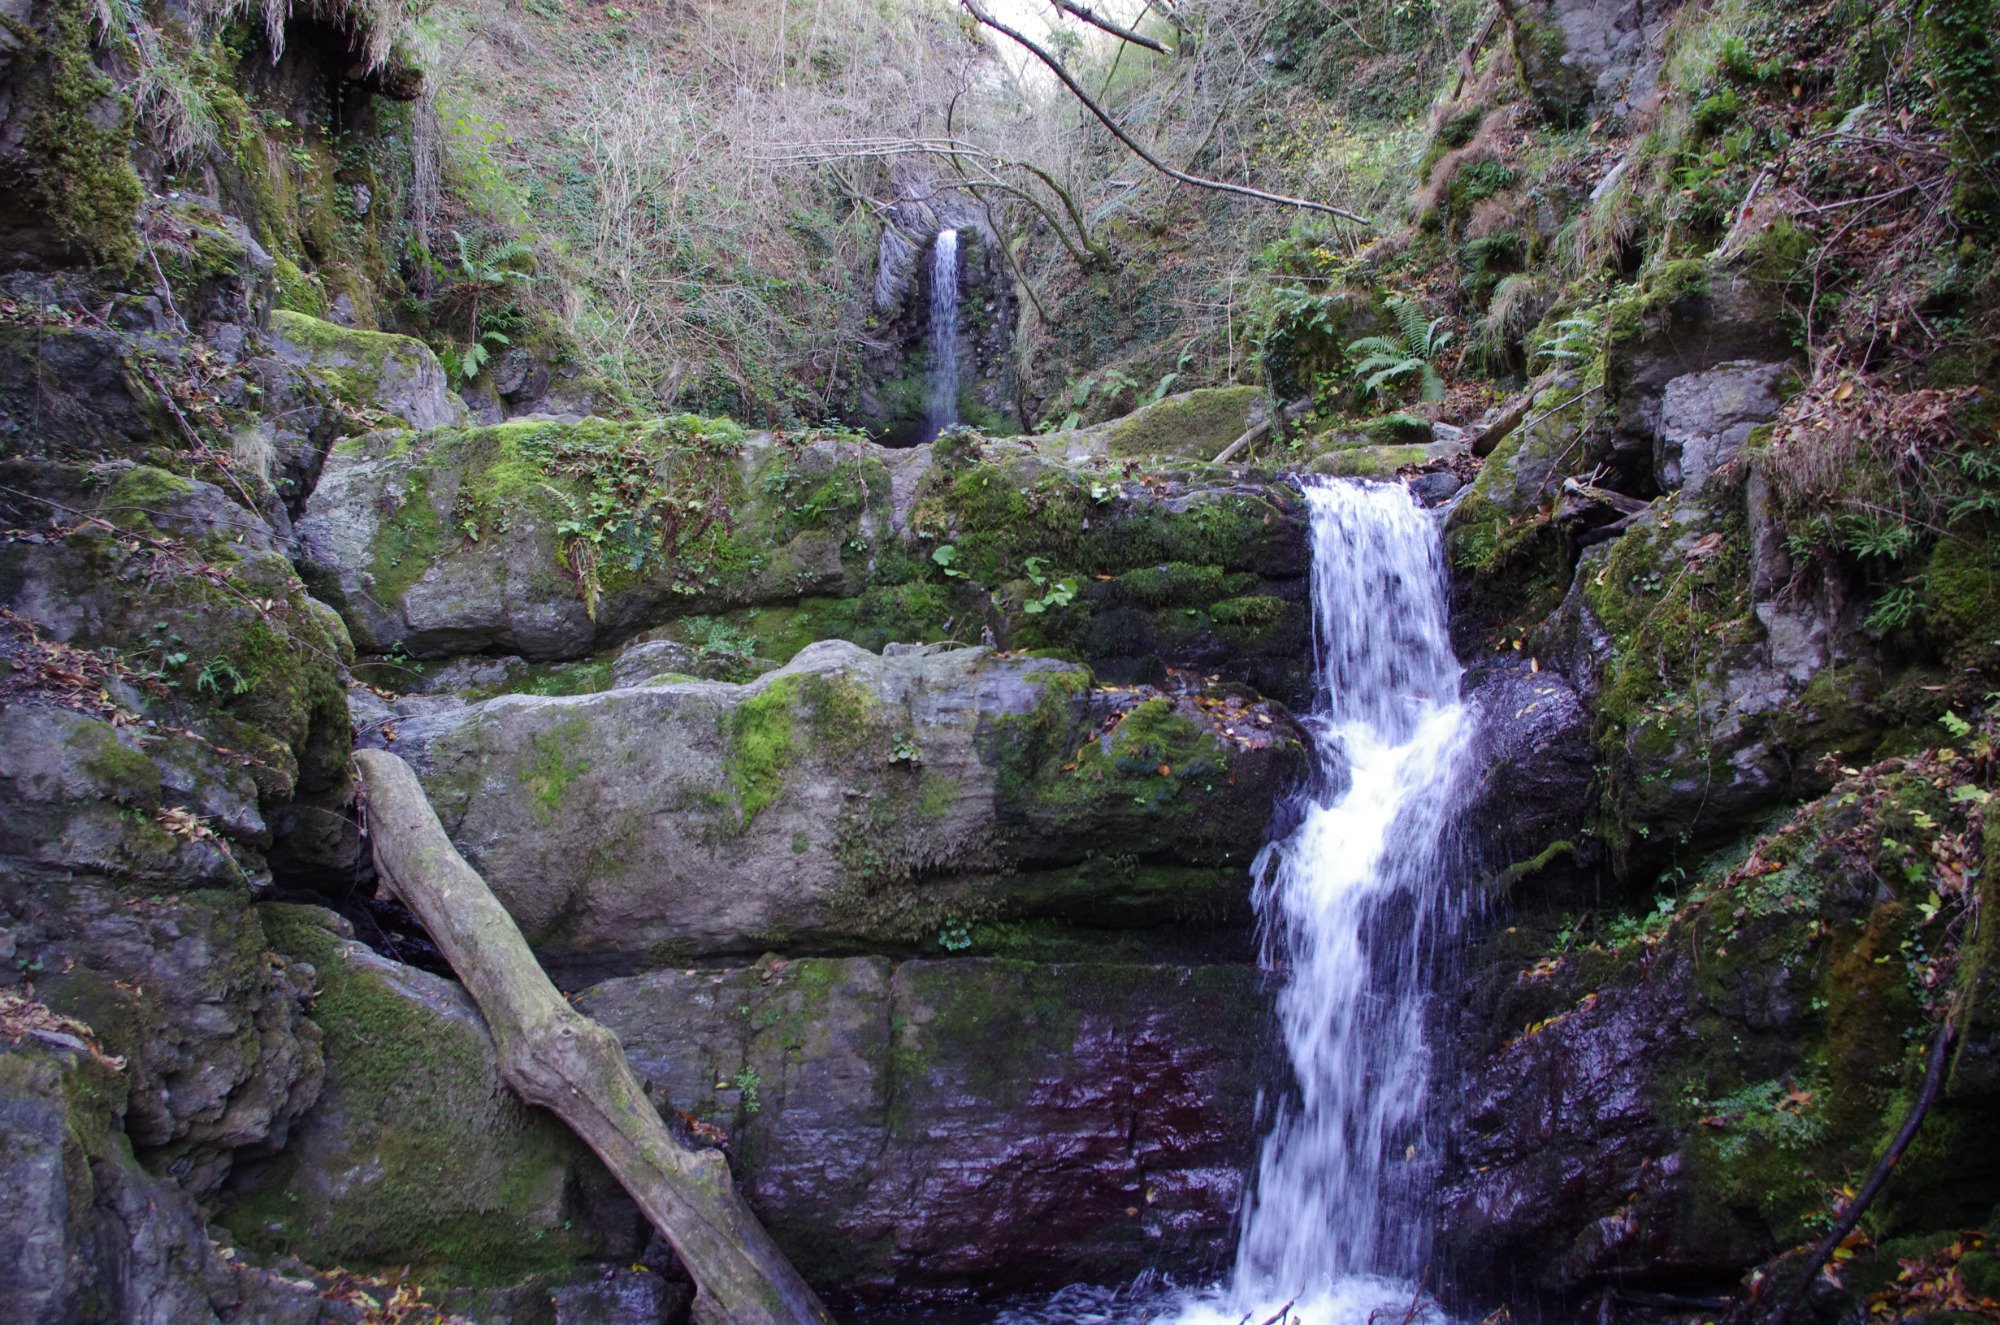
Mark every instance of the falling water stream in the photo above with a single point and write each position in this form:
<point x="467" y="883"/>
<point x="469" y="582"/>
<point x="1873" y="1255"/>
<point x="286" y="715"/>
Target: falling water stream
<point x="941" y="398"/>
<point x="1351" y="901"/>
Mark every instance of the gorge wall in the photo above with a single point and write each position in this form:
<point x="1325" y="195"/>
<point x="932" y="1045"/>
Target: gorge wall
<point x="896" y="805"/>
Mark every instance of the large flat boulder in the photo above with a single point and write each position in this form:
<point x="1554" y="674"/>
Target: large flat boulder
<point x="550" y="539"/>
<point x="852" y="798"/>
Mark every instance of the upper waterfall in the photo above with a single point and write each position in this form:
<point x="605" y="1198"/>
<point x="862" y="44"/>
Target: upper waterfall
<point x="941" y="399"/>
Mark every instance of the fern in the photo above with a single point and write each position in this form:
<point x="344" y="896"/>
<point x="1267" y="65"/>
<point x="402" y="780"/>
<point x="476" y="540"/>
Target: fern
<point x="1387" y="361"/>
<point x="577" y="542"/>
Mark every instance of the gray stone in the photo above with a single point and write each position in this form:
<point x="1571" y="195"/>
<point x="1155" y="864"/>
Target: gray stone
<point x="1706" y="417"/>
<point x="220" y="1057"/>
<point x="846" y="796"/>
<point x="416" y="1150"/>
<point x="90" y="1237"/>
<point x="395" y="375"/>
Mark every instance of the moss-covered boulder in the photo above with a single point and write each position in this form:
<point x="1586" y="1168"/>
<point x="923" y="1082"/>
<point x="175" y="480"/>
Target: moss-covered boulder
<point x="547" y="539"/>
<point x="374" y="373"/>
<point x="965" y="1124"/>
<point x="1193" y="424"/>
<point x="417" y="1154"/>
<point x="853" y="799"/>
<point x="1666" y="1098"/>
<point x="1134" y="567"/>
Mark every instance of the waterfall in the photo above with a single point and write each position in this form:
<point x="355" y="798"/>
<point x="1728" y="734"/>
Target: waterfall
<point x="941" y="401"/>
<point x="1350" y="900"/>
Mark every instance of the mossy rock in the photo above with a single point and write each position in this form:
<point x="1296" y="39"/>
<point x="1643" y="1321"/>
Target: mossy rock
<point x="418" y="1154"/>
<point x="1370" y="461"/>
<point x="551" y="540"/>
<point x="1196" y="424"/>
<point x="82" y="195"/>
<point x="374" y="372"/>
<point x="238" y="654"/>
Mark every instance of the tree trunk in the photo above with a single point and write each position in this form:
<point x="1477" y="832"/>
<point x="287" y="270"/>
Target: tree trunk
<point x="555" y="1057"/>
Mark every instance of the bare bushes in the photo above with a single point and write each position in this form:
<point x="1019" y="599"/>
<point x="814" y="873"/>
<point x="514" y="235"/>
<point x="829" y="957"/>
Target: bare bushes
<point x="703" y="274"/>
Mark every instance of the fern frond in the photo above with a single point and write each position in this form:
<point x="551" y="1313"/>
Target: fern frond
<point x="1394" y="373"/>
<point x="1410" y="319"/>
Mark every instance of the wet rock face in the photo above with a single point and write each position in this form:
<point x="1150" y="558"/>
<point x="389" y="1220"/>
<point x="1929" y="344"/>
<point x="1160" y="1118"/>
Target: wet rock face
<point x="1668" y="1103"/>
<point x="948" y="1125"/>
<point x="1537" y="774"/>
<point x="852" y="797"/>
<point x="886" y="391"/>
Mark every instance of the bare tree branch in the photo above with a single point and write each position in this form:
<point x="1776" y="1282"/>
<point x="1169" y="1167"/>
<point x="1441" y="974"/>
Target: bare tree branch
<point x="1082" y="247"/>
<point x="1055" y="66"/>
<point x="1097" y="20"/>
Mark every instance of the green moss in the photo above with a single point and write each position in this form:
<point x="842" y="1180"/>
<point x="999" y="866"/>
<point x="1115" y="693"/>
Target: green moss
<point x="408" y="540"/>
<point x="1541" y="860"/>
<point x="423" y="1112"/>
<point x="1257" y="622"/>
<point x="1195" y="423"/>
<point x="1396" y="429"/>
<point x="1369" y="461"/>
<point x="1178" y="584"/>
<point x="122" y="773"/>
<point x="296" y="291"/>
<point x="761" y="745"/>
<point x="1664" y="287"/>
<point x="1963" y="596"/>
<point x="142" y="491"/>
<point x="843" y="714"/>
<point x="83" y="168"/>
<point x="550" y="771"/>
<point x="354" y="362"/>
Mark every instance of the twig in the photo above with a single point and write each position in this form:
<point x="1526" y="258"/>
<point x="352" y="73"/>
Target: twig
<point x="1289" y="412"/>
<point x="1056" y="67"/>
<point x="1851" y="1216"/>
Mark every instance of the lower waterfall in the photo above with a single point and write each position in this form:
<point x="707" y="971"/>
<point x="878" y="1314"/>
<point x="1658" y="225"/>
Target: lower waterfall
<point x="1352" y="901"/>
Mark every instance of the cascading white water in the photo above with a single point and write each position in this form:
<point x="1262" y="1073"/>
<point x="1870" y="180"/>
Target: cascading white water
<point x="1350" y="900"/>
<point x="941" y="400"/>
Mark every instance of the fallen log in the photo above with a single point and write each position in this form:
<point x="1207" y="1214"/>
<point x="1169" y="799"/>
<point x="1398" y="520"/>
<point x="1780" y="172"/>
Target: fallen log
<point x="555" y="1057"/>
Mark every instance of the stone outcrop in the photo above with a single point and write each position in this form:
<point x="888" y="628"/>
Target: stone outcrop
<point x="1669" y="1104"/>
<point x="480" y="540"/>
<point x="931" y="1126"/>
<point x="416" y="1150"/>
<point x="90" y="1234"/>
